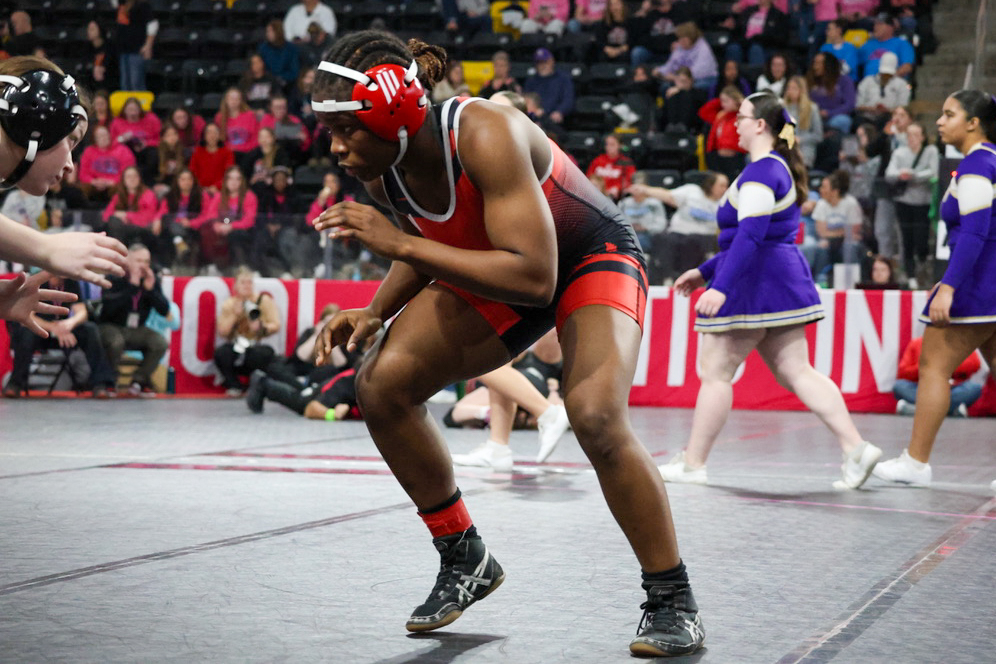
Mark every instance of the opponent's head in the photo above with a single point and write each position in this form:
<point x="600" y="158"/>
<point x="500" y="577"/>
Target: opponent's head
<point x="42" y="116"/>
<point x="376" y="79"/>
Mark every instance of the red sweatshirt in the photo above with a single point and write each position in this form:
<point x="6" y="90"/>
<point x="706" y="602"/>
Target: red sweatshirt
<point x="241" y="132"/>
<point x="248" y="217"/>
<point x="146" y="130"/>
<point x="617" y="173"/>
<point x="209" y="167"/>
<point x="723" y="133"/>
<point x="909" y="365"/>
<point x="108" y="164"/>
<point x="147" y="212"/>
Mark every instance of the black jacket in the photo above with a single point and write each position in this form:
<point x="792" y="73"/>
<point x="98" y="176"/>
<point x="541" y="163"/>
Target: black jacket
<point x="123" y="297"/>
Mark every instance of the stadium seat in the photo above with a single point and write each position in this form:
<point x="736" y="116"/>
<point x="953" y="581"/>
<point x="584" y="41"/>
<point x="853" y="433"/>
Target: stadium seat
<point x="672" y="150"/>
<point x="694" y="176"/>
<point x="119" y="97"/>
<point x="666" y="177"/>
<point x="607" y="78"/>
<point x="592" y="113"/>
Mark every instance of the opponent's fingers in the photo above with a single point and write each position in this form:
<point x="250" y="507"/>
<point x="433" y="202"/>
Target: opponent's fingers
<point x="32" y="324"/>
<point x="56" y="295"/>
<point x="113" y="244"/>
<point x="38" y="278"/>
<point x="94" y="278"/>
<point x="106" y="262"/>
<point x="54" y="309"/>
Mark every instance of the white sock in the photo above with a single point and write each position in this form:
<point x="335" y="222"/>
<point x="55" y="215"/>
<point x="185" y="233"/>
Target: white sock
<point x="919" y="465"/>
<point x="858" y="451"/>
<point x="545" y="418"/>
<point x="495" y="443"/>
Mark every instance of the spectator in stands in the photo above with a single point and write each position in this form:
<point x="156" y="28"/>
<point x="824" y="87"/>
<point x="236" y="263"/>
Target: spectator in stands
<point x="23" y="40"/>
<point x="190" y="128"/>
<point x="646" y="215"/>
<point x="232" y="215"/>
<point x="257" y="84"/>
<point x="615" y="32"/>
<point x="313" y="48"/>
<point x="838" y="219"/>
<point x="690" y="51"/>
<point x="730" y="76"/>
<point x="24" y="208"/>
<point x="692" y="229"/>
<point x="184" y="209"/>
<point x="237" y="122"/>
<point x="879" y="94"/>
<point x="100" y="112"/>
<point x="452" y="85"/>
<point x="102" y="164"/>
<point x="911" y="170"/>
<point x="831" y="91"/>
<point x="299" y="98"/>
<point x="845" y="52"/>
<point x="656" y="35"/>
<point x="884" y="40"/>
<point x="258" y="163"/>
<point x="682" y="102"/>
<point x="502" y="79"/>
<point x="809" y="124"/>
<point x="615" y="168"/>
<point x="639" y="93"/>
<point x="883" y="275"/>
<point x="757" y="32"/>
<point x="775" y="75"/>
<point x="68" y="332"/>
<point x="344" y="249"/>
<point x="245" y="319"/>
<point x="468" y="17"/>
<point x="275" y="237"/>
<point x="547" y="16"/>
<point x="302" y="15"/>
<point x="281" y="57"/>
<point x="963" y="391"/>
<point x="555" y="88"/>
<point x="858" y="12"/>
<point x="211" y="159"/>
<point x="138" y="130"/>
<point x="133" y="212"/>
<point x="65" y="195"/>
<point x="289" y="131"/>
<point x="722" y="148"/>
<point x="124" y="310"/>
<point x="171" y="159"/>
<point x="101" y="61"/>
<point x="895" y="129"/>
<point x="587" y="14"/>
<point x="136" y="33"/>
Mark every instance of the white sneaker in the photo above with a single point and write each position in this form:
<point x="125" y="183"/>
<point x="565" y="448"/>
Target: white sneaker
<point x="552" y="425"/>
<point x="904" y="470"/>
<point x="489" y="455"/>
<point x="676" y="470"/>
<point x="993" y="486"/>
<point x="904" y="407"/>
<point x="961" y="411"/>
<point x="443" y="396"/>
<point x="854" y="472"/>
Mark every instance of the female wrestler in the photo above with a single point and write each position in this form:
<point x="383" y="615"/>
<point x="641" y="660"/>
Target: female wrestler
<point x="761" y="295"/>
<point x="502" y="238"/>
<point x="961" y="311"/>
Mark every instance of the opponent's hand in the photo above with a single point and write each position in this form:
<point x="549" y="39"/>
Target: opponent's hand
<point x="940" y="305"/>
<point x="366" y="224"/>
<point x="710" y="302"/>
<point x="86" y="256"/>
<point x="351" y="327"/>
<point x="689" y="281"/>
<point x="22" y="297"/>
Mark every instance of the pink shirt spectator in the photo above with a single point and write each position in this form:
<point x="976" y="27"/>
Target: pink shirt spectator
<point x="147" y="212"/>
<point x="241" y="131"/>
<point x="556" y="9"/>
<point x="860" y="7"/>
<point x="146" y="130"/>
<point x="182" y="210"/>
<point x="780" y="5"/>
<point x="282" y="133"/>
<point x="826" y="10"/>
<point x="97" y="164"/>
<point x="755" y="24"/>
<point x="592" y="9"/>
<point x="242" y="219"/>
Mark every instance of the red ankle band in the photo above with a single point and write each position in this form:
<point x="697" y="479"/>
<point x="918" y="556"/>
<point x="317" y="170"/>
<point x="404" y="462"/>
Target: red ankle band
<point x="453" y="519"/>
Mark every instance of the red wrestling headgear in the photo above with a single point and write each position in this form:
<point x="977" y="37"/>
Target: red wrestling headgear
<point x="388" y="99"/>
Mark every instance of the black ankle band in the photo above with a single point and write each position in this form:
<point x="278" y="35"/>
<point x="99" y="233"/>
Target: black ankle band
<point x="676" y="574"/>
<point x="450" y="502"/>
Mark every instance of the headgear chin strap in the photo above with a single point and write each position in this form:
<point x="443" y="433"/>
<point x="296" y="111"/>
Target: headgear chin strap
<point x="37" y="110"/>
<point x="388" y="99"/>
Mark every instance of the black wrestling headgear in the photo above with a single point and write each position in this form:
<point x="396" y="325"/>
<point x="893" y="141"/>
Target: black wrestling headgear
<point x="37" y="110"/>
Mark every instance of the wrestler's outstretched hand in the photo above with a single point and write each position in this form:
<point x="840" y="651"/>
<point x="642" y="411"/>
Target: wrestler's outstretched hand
<point x="22" y="296"/>
<point x="689" y="281"/>
<point x="366" y="224"/>
<point x="351" y="327"/>
<point x="86" y="256"/>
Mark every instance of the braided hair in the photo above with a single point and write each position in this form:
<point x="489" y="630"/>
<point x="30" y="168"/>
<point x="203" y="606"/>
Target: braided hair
<point x="771" y="109"/>
<point x="368" y="48"/>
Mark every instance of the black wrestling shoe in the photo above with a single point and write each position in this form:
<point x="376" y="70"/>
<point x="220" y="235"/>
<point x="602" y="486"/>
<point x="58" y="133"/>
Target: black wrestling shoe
<point x="670" y="624"/>
<point x="256" y="394"/>
<point x="467" y="573"/>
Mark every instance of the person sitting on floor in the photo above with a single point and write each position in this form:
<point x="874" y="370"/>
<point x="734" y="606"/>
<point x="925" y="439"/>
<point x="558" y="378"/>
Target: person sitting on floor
<point x="963" y="391"/>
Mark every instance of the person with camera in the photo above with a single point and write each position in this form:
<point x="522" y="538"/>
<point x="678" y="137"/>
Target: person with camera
<point x="124" y="310"/>
<point x="245" y="319"/>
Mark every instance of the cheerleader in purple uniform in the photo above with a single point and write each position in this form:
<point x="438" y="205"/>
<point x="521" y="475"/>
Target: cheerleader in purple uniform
<point x="761" y="295"/>
<point x="961" y="311"/>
